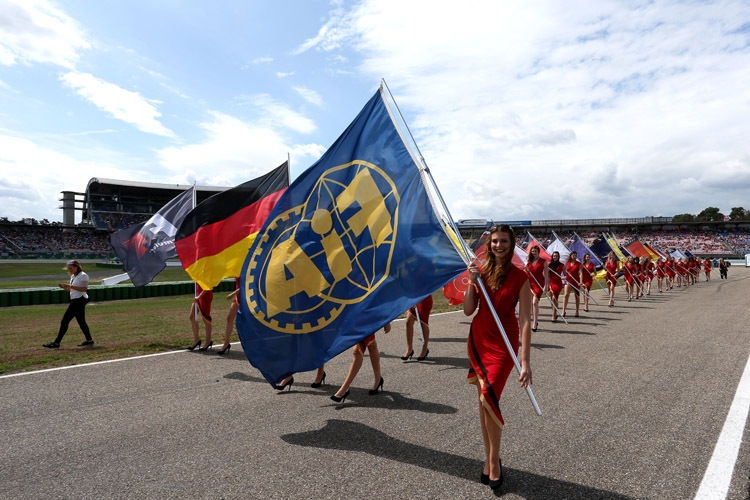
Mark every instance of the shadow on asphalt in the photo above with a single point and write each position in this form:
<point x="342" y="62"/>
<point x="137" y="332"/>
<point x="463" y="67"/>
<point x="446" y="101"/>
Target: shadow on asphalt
<point x="542" y="347"/>
<point x="358" y="397"/>
<point x="387" y="400"/>
<point x="244" y="377"/>
<point x="572" y="332"/>
<point x="460" y="340"/>
<point x="357" y="437"/>
<point x="460" y="363"/>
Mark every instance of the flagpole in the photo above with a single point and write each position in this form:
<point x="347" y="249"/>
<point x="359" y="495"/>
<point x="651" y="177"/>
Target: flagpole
<point x="419" y="322"/>
<point x="635" y="280"/>
<point x="528" y="234"/>
<point x="547" y="295"/>
<point x="597" y="258"/>
<point x="597" y="279"/>
<point x="195" y="283"/>
<point x="578" y="290"/>
<point x="425" y="172"/>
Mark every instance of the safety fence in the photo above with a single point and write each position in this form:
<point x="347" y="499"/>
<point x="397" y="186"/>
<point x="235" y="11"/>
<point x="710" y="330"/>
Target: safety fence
<point x="101" y="293"/>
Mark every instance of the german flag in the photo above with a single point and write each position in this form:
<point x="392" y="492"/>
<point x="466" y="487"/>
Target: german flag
<point x="213" y="240"/>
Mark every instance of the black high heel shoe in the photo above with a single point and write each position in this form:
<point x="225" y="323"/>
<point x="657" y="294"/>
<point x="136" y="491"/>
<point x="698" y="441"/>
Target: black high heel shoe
<point x="315" y="385"/>
<point x="207" y="346"/>
<point x="222" y="352"/>
<point x="422" y="358"/>
<point x="342" y="398"/>
<point x="378" y="388"/>
<point x="281" y="388"/>
<point x="197" y="344"/>
<point x="497" y="483"/>
<point x="408" y="356"/>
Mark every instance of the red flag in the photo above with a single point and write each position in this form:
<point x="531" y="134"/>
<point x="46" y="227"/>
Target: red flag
<point x="455" y="290"/>
<point x="542" y="252"/>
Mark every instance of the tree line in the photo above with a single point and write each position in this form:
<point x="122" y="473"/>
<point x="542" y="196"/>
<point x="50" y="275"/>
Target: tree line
<point x="713" y="214"/>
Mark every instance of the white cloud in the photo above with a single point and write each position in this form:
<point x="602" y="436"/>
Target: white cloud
<point x="274" y="114"/>
<point x="233" y="152"/>
<point x="7" y="87"/>
<point x="35" y="31"/>
<point x="282" y="74"/>
<point x="540" y="100"/>
<point x="309" y="95"/>
<point x="125" y="105"/>
<point x="32" y="176"/>
<point x="332" y="34"/>
<point x="262" y="60"/>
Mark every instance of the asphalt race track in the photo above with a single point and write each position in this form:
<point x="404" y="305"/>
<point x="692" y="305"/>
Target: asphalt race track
<point x="633" y="398"/>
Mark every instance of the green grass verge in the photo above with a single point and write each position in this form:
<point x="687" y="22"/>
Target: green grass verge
<point x="120" y="329"/>
<point x="48" y="274"/>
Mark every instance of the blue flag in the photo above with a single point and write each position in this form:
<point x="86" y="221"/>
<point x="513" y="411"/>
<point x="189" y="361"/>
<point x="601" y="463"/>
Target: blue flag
<point x="579" y="246"/>
<point x="351" y="245"/>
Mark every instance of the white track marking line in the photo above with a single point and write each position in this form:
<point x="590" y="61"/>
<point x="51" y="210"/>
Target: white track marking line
<point x="718" y="476"/>
<point x="142" y="357"/>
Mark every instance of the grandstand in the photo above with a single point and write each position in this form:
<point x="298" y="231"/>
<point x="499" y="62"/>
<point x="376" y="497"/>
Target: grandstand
<point x="704" y="239"/>
<point x="110" y="204"/>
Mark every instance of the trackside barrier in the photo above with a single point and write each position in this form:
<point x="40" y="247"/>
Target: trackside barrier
<point x="100" y="293"/>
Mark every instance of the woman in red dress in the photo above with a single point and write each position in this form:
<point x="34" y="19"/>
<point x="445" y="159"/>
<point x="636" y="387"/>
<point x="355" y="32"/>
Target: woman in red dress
<point x="648" y="274"/>
<point x="630" y="270"/>
<point x="707" y="268"/>
<point x="587" y="279"/>
<point x="639" y="276"/>
<point x="536" y="267"/>
<point x="660" y="273"/>
<point x="695" y="269"/>
<point x="612" y="266"/>
<point x="671" y="270"/>
<point x="202" y="302"/>
<point x="489" y="358"/>
<point x="423" y="312"/>
<point x="573" y="272"/>
<point x="554" y="284"/>
<point x="358" y="355"/>
<point x="679" y="268"/>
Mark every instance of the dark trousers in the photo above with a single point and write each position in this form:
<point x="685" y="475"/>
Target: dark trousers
<point x="77" y="310"/>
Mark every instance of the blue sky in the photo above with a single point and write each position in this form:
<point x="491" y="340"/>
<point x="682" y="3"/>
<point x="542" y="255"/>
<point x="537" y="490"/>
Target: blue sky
<point x="523" y="110"/>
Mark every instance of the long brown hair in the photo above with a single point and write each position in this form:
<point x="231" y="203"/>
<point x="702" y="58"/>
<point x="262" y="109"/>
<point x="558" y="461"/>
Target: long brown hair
<point x="77" y="266"/>
<point x="495" y="270"/>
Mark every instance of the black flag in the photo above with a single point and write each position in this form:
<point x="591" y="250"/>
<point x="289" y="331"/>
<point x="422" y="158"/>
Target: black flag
<point x="144" y="248"/>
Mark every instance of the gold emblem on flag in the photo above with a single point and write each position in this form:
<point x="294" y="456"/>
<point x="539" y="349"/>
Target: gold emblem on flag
<point x="331" y="251"/>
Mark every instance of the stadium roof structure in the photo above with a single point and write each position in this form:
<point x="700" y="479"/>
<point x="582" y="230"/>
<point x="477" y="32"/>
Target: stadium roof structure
<point x="113" y="203"/>
<point x="152" y="185"/>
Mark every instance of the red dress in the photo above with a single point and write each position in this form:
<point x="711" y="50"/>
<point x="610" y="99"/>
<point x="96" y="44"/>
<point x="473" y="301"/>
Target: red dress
<point x="555" y="281"/>
<point x="588" y="274"/>
<point x="660" y="269"/>
<point x="630" y="270"/>
<point x="424" y="308"/>
<point x="707" y="267"/>
<point x="204" y="303"/>
<point x="573" y="273"/>
<point x="649" y="270"/>
<point x="670" y="266"/>
<point x="537" y="281"/>
<point x="489" y="358"/>
<point x="611" y="271"/>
